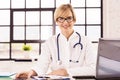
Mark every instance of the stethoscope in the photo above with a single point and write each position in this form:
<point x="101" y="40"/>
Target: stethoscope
<point x="79" y="43"/>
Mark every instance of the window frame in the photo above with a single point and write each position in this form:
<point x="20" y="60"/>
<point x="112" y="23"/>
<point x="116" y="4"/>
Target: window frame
<point x="12" y="10"/>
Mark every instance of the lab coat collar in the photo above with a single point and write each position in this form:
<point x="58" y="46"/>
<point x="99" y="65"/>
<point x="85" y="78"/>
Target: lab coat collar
<point x="63" y="37"/>
<point x="71" y="37"/>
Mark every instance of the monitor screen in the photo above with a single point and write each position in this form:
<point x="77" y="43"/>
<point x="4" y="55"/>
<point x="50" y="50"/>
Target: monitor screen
<point x="108" y="63"/>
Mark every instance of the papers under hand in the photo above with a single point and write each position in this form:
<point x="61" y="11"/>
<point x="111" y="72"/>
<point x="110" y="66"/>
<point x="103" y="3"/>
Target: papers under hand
<point x="51" y="77"/>
<point x="59" y="77"/>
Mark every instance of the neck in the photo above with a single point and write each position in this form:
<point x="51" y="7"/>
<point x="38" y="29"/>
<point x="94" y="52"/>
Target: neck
<point x="67" y="34"/>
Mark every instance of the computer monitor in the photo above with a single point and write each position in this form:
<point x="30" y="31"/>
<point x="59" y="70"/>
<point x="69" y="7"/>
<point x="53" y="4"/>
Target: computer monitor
<point x="108" y="63"/>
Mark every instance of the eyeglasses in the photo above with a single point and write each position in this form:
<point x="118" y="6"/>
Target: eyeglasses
<point x="62" y="19"/>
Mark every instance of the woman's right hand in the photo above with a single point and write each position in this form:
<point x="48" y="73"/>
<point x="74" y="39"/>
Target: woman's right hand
<point x="25" y="75"/>
<point x="22" y="75"/>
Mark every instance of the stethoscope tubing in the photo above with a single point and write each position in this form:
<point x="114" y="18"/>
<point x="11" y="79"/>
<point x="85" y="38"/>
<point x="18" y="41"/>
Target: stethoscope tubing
<point x="79" y="43"/>
<point x="58" y="47"/>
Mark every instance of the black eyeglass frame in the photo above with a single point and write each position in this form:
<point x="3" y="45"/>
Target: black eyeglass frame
<point x="62" y="19"/>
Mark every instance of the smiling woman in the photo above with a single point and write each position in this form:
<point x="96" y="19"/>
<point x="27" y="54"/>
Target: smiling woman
<point x="66" y="53"/>
<point x="32" y="21"/>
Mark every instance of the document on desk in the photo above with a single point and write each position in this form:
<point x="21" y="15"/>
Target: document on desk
<point x="6" y="74"/>
<point x="51" y="77"/>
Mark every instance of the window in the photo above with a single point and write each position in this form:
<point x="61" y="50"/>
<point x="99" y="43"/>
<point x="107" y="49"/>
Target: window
<point x="31" y="22"/>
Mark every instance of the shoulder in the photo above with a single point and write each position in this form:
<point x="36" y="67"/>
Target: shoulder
<point x="50" y="40"/>
<point x="85" y="38"/>
<point x="81" y="37"/>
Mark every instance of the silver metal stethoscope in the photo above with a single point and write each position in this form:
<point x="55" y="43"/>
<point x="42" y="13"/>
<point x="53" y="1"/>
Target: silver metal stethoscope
<point x="78" y="43"/>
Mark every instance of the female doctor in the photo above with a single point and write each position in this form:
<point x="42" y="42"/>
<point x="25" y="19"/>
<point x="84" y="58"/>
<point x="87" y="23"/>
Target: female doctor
<point x="67" y="53"/>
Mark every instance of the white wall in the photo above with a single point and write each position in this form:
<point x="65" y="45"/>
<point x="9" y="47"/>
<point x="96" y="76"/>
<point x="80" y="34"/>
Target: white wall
<point x="111" y="18"/>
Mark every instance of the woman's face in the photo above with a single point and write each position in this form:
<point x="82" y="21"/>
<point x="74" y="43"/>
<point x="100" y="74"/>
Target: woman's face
<point x="66" y="23"/>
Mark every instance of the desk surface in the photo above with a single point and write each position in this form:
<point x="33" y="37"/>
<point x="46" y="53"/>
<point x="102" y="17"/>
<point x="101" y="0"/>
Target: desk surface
<point x="8" y="78"/>
<point x="5" y="78"/>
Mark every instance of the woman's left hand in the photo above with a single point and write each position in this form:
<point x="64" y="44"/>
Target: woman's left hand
<point x="59" y="72"/>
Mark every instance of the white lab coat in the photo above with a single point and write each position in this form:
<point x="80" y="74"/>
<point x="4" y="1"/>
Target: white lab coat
<point x="49" y="56"/>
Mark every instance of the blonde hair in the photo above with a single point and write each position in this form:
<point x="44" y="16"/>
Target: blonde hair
<point x="63" y="10"/>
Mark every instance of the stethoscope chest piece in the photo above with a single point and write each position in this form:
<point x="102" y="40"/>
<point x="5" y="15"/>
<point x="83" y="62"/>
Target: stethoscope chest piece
<point x="59" y="62"/>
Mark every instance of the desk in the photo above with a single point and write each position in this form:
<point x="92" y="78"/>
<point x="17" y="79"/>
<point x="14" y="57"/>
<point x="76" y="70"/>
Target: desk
<point x="94" y="78"/>
<point x="80" y="78"/>
<point x="5" y="78"/>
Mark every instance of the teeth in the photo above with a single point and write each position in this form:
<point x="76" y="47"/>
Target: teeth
<point x="65" y="26"/>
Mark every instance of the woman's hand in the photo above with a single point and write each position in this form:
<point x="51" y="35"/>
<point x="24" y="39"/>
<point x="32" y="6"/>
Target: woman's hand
<point x="25" y="75"/>
<point x="59" y="72"/>
<point x="22" y="75"/>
